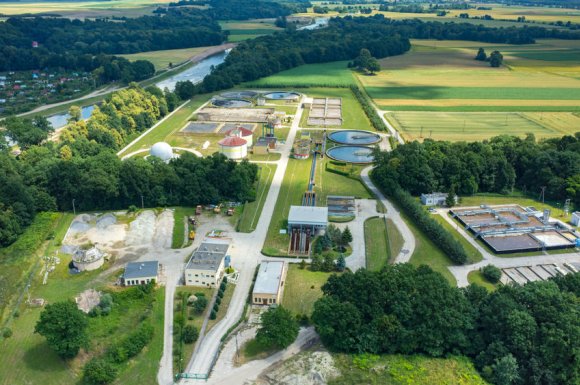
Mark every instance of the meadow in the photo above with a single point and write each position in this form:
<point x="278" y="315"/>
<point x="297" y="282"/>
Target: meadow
<point x="248" y="29"/>
<point x="309" y="75"/>
<point x="302" y="289"/>
<point x="376" y="243"/>
<point x="82" y="9"/>
<point x="438" y="91"/>
<point x="162" y="59"/>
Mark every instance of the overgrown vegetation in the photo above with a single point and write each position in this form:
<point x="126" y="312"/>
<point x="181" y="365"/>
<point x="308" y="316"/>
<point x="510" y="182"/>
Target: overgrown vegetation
<point x="517" y="334"/>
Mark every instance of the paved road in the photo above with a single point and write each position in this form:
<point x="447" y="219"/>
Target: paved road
<point x="392" y="130"/>
<point x="460" y="272"/>
<point x="394" y="215"/>
<point x="246" y="254"/>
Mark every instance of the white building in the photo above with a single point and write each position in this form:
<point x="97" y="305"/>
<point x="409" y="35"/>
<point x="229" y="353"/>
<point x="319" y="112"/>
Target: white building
<point x="205" y="267"/>
<point x="162" y="151"/>
<point x="308" y="217"/>
<point x="140" y="273"/>
<point x="269" y="284"/>
<point x="233" y="147"/>
<point x="435" y="199"/>
<point x="575" y="218"/>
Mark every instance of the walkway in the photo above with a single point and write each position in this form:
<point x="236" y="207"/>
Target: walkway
<point x="394" y="215"/>
<point x="246" y="254"/>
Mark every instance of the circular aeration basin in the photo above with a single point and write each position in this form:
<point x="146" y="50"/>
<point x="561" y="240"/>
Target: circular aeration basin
<point x="231" y="103"/>
<point x="239" y="95"/>
<point x="280" y="95"/>
<point x="351" y="154"/>
<point x="356" y="137"/>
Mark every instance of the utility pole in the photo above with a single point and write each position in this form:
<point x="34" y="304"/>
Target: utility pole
<point x="74" y="210"/>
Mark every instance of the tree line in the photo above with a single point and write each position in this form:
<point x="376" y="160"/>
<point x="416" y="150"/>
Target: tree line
<point x="77" y="44"/>
<point x="516" y="335"/>
<point x="245" y="9"/>
<point x="84" y="167"/>
<point x="496" y="165"/>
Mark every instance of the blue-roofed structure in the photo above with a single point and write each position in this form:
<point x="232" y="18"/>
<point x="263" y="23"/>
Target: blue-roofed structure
<point x="140" y="273"/>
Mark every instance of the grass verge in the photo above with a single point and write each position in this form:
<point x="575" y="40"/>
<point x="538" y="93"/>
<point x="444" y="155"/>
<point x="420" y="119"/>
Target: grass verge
<point x="181" y="227"/>
<point x="475" y="277"/>
<point x="253" y="210"/>
<point x="376" y="244"/>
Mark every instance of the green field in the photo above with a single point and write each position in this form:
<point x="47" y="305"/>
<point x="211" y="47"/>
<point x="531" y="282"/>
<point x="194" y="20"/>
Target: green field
<point x="376" y="244"/>
<point x="82" y="9"/>
<point x="325" y="74"/>
<point x="180" y="231"/>
<point x="162" y="59"/>
<point x="250" y="29"/>
<point x="253" y="210"/>
<point x="395" y="239"/>
<point x="303" y="289"/>
<point x="475" y="277"/>
<point x="404" y="370"/>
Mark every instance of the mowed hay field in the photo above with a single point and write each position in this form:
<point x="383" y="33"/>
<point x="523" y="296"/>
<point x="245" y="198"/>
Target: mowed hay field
<point x="161" y="59"/>
<point x="439" y="91"/>
<point x="250" y="29"/>
<point x="82" y="9"/>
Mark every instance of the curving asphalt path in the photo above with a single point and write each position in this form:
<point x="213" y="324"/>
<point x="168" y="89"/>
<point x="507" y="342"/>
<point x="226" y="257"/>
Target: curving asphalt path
<point x="394" y="215"/>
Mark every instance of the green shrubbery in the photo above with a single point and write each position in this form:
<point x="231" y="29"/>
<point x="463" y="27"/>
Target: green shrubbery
<point x="368" y="108"/>
<point x="491" y="273"/>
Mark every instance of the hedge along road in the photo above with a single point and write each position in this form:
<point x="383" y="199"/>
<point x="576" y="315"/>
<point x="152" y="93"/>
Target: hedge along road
<point x="246" y="254"/>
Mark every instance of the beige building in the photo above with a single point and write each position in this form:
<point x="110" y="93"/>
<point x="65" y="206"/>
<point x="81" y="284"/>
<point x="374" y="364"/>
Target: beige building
<point x="206" y="266"/>
<point x="269" y="284"/>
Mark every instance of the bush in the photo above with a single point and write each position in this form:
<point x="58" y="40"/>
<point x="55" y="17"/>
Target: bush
<point x="7" y="333"/>
<point x="132" y="345"/>
<point x="200" y="305"/>
<point x="216" y="307"/>
<point x="491" y="273"/>
<point x="99" y="372"/>
<point x="218" y="301"/>
<point x="213" y="315"/>
<point x="190" y="334"/>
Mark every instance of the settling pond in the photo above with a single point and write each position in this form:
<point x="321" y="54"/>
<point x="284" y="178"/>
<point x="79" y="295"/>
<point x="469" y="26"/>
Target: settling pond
<point x="351" y="154"/>
<point x="356" y="137"/>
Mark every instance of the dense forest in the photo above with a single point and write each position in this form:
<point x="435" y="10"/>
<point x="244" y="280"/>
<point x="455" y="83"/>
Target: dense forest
<point x="76" y="44"/>
<point x="84" y="166"/>
<point x="516" y="335"/>
<point x="497" y="165"/>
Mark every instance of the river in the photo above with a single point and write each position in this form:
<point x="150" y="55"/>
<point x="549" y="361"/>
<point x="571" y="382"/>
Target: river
<point x="194" y="74"/>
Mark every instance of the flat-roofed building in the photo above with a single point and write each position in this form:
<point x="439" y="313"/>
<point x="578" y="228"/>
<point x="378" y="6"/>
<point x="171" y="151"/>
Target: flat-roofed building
<point x="140" y="273"/>
<point x="205" y="267"/>
<point x="269" y="284"/>
<point x="308" y="217"/>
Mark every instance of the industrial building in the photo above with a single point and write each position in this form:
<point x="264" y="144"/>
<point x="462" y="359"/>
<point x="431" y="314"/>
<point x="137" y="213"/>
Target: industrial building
<point x="575" y="218"/>
<point x="88" y="260"/>
<point x="206" y="265"/>
<point x="140" y="273"/>
<point x="304" y="223"/>
<point x="269" y="284"/>
<point x="435" y="199"/>
<point x="242" y="132"/>
<point x="162" y="151"/>
<point x="233" y="147"/>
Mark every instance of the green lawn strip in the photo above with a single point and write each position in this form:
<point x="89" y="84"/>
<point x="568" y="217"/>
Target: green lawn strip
<point x="353" y="116"/>
<point x="427" y="253"/>
<point x="398" y="369"/>
<point x="331" y="183"/>
<point x="386" y="106"/>
<point x="180" y="234"/>
<point x="473" y="255"/>
<point x="271" y="156"/>
<point x="302" y="289"/>
<point x="323" y="74"/>
<point x="477" y="278"/>
<point x="376" y="244"/>
<point x="182" y="352"/>
<point x="252" y="210"/>
<point x="395" y="239"/>
<point x="22" y="258"/>
<point x="223" y="307"/>
<point x="173" y="124"/>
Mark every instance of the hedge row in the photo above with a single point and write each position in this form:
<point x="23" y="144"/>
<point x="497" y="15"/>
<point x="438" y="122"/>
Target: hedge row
<point x="368" y="108"/>
<point x="433" y="229"/>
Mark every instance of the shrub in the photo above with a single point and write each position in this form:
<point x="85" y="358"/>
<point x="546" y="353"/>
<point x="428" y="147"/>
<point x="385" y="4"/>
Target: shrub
<point x="133" y="344"/>
<point x="190" y="334"/>
<point x="200" y="305"/>
<point x="491" y="273"/>
<point x="216" y="307"/>
<point x="7" y="333"/>
<point x="99" y="372"/>
<point x="218" y="301"/>
<point x="213" y="315"/>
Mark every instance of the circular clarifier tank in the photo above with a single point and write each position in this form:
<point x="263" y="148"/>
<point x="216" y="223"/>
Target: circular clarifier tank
<point x="282" y="95"/>
<point x="351" y="154"/>
<point x="239" y="94"/>
<point x="354" y="137"/>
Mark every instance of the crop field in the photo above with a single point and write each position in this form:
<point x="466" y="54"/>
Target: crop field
<point x="250" y="29"/>
<point x="161" y="59"/>
<point x="472" y="126"/>
<point x="324" y="74"/>
<point x="81" y="9"/>
<point x="438" y="91"/>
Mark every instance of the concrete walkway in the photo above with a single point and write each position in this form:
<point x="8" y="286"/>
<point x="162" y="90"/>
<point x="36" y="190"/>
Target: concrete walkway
<point x="394" y="215"/>
<point x="394" y="133"/>
<point x="246" y="254"/>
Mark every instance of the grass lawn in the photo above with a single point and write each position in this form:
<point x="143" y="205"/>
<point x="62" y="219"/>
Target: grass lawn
<point x="324" y="74"/>
<point x="173" y="124"/>
<point x="252" y="210"/>
<point x="477" y="278"/>
<point x="253" y="350"/>
<point x="161" y="59"/>
<point x="353" y="116"/>
<point x="427" y="253"/>
<point x="181" y="226"/>
<point x="395" y="239"/>
<point x="376" y="244"/>
<point x="223" y="307"/>
<point x="398" y="370"/>
<point x="303" y="289"/>
<point x="473" y="255"/>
